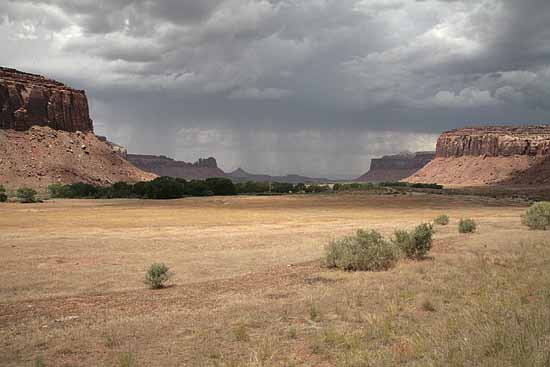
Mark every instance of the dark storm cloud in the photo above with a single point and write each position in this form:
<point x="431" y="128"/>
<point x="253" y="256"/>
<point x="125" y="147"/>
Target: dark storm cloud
<point x="316" y="86"/>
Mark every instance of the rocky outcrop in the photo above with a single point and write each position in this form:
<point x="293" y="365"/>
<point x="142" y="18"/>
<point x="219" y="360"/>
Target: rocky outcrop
<point x="396" y="167"/>
<point x="117" y="149"/>
<point x="27" y="100"/>
<point x="164" y="166"/>
<point x="490" y="155"/>
<point x="495" y="141"/>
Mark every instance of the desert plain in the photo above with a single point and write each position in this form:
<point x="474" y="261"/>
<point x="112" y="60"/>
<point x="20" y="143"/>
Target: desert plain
<point x="248" y="288"/>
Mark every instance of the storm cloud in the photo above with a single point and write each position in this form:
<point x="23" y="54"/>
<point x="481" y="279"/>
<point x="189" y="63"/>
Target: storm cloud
<point x="315" y="87"/>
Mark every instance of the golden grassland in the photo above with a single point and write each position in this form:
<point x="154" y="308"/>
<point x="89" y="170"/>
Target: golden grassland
<point x="248" y="289"/>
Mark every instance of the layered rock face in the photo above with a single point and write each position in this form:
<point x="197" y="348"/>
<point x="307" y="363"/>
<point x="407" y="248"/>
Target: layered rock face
<point x="396" y="167"/>
<point x="164" y="166"/>
<point x="490" y="155"/>
<point x="28" y="99"/>
<point x="495" y="141"/>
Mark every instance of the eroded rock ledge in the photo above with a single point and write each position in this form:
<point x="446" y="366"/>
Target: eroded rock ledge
<point x="495" y="141"/>
<point x="28" y="99"/>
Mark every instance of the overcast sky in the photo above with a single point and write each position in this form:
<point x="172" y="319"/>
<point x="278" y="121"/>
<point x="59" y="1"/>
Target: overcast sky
<point x="316" y="87"/>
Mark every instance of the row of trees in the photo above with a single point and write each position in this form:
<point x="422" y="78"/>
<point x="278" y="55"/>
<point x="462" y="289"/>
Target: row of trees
<point x="23" y="194"/>
<point x="172" y="188"/>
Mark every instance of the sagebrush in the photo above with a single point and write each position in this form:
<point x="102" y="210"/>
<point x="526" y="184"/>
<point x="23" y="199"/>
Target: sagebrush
<point x="26" y="195"/>
<point x="442" y="220"/>
<point x="467" y="226"/>
<point x="158" y="275"/>
<point x="538" y="216"/>
<point x="415" y="244"/>
<point x="3" y="196"/>
<point x="367" y="250"/>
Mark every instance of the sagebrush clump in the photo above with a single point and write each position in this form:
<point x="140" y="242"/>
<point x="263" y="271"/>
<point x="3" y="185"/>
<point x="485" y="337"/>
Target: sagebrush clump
<point x="3" y="196"/>
<point x="467" y="226"/>
<point x="367" y="250"/>
<point x="26" y="195"/>
<point x="442" y="220"/>
<point x="538" y="216"/>
<point x="157" y="276"/>
<point x="415" y="244"/>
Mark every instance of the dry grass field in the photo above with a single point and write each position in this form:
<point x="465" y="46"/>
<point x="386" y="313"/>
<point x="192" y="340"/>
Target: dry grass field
<point x="248" y="288"/>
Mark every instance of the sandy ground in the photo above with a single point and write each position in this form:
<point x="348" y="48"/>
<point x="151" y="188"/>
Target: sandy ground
<point x="72" y="288"/>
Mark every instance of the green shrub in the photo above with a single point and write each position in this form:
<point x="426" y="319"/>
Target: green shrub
<point x="26" y="195"/>
<point x="221" y="186"/>
<point x="58" y="191"/>
<point x="367" y="250"/>
<point x="442" y="220"/>
<point x="315" y="189"/>
<point x="282" y="187"/>
<point x="426" y="186"/>
<point x="157" y="276"/>
<point x="415" y="244"/>
<point x="3" y="196"/>
<point x="126" y="360"/>
<point x="467" y="226"/>
<point x="538" y="216"/>
<point x="165" y="188"/>
<point x="251" y="187"/>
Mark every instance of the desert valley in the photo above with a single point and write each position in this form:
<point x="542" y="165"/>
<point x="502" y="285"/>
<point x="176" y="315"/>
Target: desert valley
<point x="206" y="200"/>
<point x="248" y="286"/>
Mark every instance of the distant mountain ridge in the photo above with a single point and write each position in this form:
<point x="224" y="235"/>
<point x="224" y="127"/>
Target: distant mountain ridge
<point x="207" y="168"/>
<point x="165" y="166"/>
<point x="240" y="175"/>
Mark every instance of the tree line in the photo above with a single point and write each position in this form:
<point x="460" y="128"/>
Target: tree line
<point x="173" y="188"/>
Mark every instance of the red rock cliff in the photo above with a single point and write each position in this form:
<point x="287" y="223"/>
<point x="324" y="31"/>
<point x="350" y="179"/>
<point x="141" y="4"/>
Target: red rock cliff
<point x="28" y="99"/>
<point x="504" y="155"/>
<point x="495" y="141"/>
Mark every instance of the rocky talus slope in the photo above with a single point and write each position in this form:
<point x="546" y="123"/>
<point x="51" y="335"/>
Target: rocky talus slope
<point x="518" y="155"/>
<point x="396" y="167"/>
<point x="42" y="156"/>
<point x="164" y="166"/>
<point x="46" y="136"/>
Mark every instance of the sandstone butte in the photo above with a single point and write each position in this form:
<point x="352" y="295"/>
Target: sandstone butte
<point x="28" y="100"/>
<point x="506" y="155"/>
<point x="46" y="137"/>
<point x="396" y="167"/>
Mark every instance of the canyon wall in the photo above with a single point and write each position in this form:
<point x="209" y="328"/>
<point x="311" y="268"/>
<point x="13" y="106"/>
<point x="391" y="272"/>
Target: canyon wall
<point x="396" y="167"/>
<point x="495" y="141"/>
<point x="490" y="155"/>
<point x="28" y="99"/>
